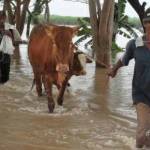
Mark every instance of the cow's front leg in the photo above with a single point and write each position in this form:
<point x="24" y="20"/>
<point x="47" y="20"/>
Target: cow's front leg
<point x="48" y="88"/>
<point x="62" y="90"/>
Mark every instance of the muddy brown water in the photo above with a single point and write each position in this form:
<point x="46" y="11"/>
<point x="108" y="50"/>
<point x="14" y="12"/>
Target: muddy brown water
<point x="97" y="113"/>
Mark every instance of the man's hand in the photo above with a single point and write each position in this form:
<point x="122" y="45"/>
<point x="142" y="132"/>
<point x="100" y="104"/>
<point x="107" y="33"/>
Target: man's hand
<point x="112" y="72"/>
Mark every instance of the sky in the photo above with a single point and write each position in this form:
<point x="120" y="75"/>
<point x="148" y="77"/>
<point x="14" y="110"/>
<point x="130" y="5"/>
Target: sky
<point x="66" y="8"/>
<point x="130" y="11"/>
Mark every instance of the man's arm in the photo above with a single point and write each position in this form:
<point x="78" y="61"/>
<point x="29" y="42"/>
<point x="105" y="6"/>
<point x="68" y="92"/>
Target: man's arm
<point x="124" y="60"/>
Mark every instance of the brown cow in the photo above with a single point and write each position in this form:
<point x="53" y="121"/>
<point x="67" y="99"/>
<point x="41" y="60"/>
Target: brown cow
<point x="51" y="54"/>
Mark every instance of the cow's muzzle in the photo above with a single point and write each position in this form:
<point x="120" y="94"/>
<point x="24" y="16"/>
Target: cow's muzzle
<point x="80" y="73"/>
<point x="63" y="68"/>
<point x="83" y="72"/>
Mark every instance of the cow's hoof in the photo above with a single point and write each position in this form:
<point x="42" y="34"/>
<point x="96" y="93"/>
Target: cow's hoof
<point x="139" y="145"/>
<point x="140" y="141"/>
<point x="60" y="102"/>
<point x="40" y="94"/>
<point x="51" y="107"/>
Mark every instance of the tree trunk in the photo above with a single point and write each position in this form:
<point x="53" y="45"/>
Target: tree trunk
<point x="18" y="9"/>
<point x="94" y="24"/>
<point x="23" y="15"/>
<point x="47" y="12"/>
<point x="8" y="8"/>
<point x="28" y="24"/>
<point x="17" y="12"/>
<point x="102" y="27"/>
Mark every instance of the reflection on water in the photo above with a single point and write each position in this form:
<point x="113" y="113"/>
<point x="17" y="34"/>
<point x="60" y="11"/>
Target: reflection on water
<point x="97" y="112"/>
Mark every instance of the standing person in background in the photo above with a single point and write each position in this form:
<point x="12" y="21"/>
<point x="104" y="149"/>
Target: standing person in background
<point x="139" y="49"/>
<point x="7" y="38"/>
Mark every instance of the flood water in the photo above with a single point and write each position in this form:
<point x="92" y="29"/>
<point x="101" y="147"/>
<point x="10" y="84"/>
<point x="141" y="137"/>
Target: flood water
<point x="97" y="113"/>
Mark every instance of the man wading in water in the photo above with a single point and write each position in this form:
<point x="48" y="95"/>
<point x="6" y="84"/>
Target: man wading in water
<point x="8" y="34"/>
<point x="139" y="49"/>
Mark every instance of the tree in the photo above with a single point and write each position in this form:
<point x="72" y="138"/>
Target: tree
<point x="101" y="18"/>
<point x="18" y="10"/>
<point x="120" y="23"/>
<point x="139" y="8"/>
<point x="37" y="10"/>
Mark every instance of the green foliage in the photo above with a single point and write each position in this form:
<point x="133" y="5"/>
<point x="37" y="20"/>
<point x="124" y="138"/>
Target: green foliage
<point x="121" y="8"/>
<point x="55" y="19"/>
<point x="116" y="48"/>
<point x="66" y="20"/>
<point x="135" y="22"/>
<point x="124" y="23"/>
<point x="84" y="32"/>
<point x="121" y="21"/>
<point x="34" y="15"/>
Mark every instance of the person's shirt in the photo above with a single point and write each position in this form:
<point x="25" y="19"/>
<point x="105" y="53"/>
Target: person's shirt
<point x="138" y="50"/>
<point x="131" y="47"/>
<point x="6" y="45"/>
<point x="129" y="53"/>
<point x="15" y="32"/>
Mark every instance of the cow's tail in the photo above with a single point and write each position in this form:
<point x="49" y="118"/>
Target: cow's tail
<point x="68" y="87"/>
<point x="33" y="83"/>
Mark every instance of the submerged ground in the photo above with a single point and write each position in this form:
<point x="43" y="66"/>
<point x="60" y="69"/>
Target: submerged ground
<point x="97" y="113"/>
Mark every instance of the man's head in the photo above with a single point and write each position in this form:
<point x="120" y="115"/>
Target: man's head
<point x="146" y="19"/>
<point x="2" y="17"/>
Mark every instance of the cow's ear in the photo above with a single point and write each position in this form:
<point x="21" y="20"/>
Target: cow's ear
<point x="75" y="30"/>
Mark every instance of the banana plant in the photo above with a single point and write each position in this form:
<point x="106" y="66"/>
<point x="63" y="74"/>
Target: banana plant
<point x="120" y="23"/>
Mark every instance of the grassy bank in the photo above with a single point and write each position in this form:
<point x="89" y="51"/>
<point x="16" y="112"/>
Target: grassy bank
<point x="61" y="20"/>
<point x="67" y="20"/>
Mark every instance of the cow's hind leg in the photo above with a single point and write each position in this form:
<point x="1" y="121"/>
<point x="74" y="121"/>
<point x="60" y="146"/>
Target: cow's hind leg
<point x="38" y="82"/>
<point x="48" y="88"/>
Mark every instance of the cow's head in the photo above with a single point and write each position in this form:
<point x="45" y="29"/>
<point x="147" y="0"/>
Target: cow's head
<point x="63" y="50"/>
<point x="64" y="47"/>
<point x="79" y="63"/>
